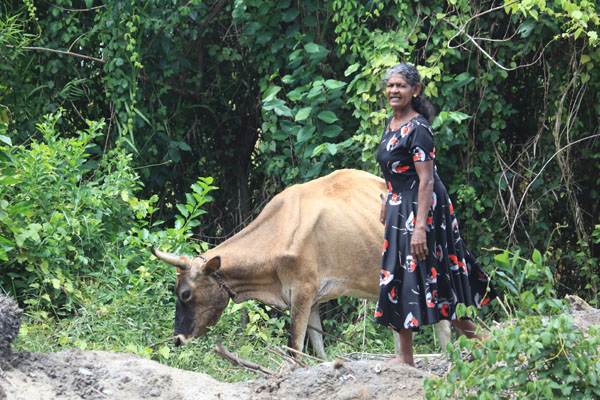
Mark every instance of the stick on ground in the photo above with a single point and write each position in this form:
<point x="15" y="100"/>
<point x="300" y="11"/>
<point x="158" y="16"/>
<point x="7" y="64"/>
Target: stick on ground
<point x="237" y="360"/>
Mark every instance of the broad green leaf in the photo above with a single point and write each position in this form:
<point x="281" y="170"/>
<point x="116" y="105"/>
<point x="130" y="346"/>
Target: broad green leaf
<point x="327" y="116"/>
<point x="332" y="131"/>
<point x="303" y="113"/>
<point x="305" y="133"/>
<point x="312" y="48"/>
<point x="319" y="149"/>
<point x="351" y="69"/>
<point x="270" y="93"/>
<point x="8" y="180"/>
<point x="332" y="148"/>
<point x="6" y="139"/>
<point x="164" y="351"/>
<point x="183" y="210"/>
<point x="282" y="110"/>
<point x="502" y="259"/>
<point x="333" y="84"/>
<point x="537" y="257"/>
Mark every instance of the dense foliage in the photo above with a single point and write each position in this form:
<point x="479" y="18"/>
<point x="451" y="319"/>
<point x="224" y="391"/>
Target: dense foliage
<point x="259" y="95"/>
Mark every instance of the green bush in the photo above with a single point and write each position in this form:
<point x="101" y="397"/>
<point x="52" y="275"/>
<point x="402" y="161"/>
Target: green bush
<point x="62" y="213"/>
<point x="536" y="358"/>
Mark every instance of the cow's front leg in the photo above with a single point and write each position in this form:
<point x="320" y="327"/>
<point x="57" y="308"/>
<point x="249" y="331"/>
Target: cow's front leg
<point x="302" y="298"/>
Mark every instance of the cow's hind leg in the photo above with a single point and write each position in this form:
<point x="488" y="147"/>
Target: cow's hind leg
<point x="443" y="333"/>
<point x="316" y="338"/>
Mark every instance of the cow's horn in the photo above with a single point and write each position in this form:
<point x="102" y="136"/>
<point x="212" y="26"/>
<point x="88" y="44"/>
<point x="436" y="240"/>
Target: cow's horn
<point x="181" y="262"/>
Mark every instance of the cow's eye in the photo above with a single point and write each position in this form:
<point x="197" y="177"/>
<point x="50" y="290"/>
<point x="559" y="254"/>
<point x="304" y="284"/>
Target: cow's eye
<point x="185" y="296"/>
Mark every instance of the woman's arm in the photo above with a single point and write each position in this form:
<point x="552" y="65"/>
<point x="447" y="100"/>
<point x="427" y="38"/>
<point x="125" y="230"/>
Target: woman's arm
<point x="418" y="242"/>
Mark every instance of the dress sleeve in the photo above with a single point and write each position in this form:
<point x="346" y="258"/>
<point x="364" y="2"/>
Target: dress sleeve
<point x="422" y="147"/>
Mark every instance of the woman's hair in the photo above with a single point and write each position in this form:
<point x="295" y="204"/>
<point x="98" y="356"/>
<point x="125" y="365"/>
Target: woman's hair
<point x="421" y="104"/>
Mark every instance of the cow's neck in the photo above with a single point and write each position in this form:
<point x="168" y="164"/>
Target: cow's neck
<point x="247" y="271"/>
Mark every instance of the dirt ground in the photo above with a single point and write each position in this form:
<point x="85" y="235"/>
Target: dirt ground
<point x="77" y="374"/>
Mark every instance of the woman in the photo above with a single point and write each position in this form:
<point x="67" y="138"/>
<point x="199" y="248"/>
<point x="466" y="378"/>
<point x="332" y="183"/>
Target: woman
<point x="426" y="267"/>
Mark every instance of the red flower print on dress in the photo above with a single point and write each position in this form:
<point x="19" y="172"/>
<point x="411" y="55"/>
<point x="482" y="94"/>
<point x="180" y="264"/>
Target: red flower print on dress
<point x="410" y="321"/>
<point x="405" y="130"/>
<point x="398" y="168"/>
<point x="396" y="199"/>
<point x="385" y="277"/>
<point x="392" y="295"/>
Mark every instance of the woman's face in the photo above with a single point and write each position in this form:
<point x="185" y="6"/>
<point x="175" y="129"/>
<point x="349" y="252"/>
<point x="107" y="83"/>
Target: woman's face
<point x="399" y="92"/>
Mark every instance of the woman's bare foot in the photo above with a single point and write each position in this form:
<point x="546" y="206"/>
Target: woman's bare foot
<point x="400" y="359"/>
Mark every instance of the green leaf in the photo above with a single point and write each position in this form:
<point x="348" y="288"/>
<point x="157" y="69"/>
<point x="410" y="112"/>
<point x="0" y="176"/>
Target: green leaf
<point x="502" y="259"/>
<point x="6" y="140"/>
<point x="351" y="69"/>
<point x="327" y="116"/>
<point x="164" y="351"/>
<point x="183" y="210"/>
<point x="270" y="93"/>
<point x="312" y="48"/>
<point x="282" y="110"/>
<point x="290" y="14"/>
<point x="537" y="257"/>
<point x="303" y="113"/>
<point x="8" y="180"/>
<point x="333" y="84"/>
<point x="305" y="133"/>
<point x="332" y="131"/>
<point x="332" y="148"/>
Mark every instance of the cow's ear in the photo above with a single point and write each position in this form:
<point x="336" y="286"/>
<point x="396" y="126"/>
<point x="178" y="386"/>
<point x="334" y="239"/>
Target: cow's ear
<point x="211" y="265"/>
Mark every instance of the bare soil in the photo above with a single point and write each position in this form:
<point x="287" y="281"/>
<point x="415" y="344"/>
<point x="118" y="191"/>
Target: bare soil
<point x="77" y="374"/>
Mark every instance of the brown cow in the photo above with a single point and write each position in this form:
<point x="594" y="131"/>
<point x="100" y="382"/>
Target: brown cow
<point x="313" y="242"/>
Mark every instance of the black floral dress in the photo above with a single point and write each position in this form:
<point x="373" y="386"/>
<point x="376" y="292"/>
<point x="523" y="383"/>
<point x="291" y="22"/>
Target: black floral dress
<point x="416" y="293"/>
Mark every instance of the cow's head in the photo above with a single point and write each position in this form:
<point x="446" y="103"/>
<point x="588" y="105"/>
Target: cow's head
<point x="201" y="294"/>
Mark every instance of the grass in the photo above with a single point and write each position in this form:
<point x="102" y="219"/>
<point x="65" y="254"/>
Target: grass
<point x="132" y="312"/>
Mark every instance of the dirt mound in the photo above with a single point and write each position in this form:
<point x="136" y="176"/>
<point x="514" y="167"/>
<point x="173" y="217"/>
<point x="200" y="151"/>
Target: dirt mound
<point x="77" y="374"/>
<point x="354" y="380"/>
<point x="10" y="322"/>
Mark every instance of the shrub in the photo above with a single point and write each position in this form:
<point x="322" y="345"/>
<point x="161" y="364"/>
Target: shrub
<point x="61" y="212"/>
<point x="535" y="358"/>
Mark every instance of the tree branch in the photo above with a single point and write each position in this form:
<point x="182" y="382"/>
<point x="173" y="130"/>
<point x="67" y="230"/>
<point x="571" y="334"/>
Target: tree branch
<point x="236" y="360"/>
<point x="68" y="53"/>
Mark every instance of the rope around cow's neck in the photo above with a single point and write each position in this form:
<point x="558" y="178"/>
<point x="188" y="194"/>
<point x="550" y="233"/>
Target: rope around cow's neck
<point x="219" y="279"/>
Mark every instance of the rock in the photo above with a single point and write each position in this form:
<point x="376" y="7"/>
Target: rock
<point x="577" y="303"/>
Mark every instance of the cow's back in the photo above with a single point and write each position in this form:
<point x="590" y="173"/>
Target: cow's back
<point x="332" y="225"/>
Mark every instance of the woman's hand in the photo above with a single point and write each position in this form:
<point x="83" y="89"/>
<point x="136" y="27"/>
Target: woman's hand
<point x="418" y="244"/>
<point x="382" y="212"/>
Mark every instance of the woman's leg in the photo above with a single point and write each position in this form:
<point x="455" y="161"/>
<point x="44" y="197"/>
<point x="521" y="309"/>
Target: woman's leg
<point x="405" y="355"/>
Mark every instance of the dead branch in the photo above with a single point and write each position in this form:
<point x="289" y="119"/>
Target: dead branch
<point x="68" y="53"/>
<point x="291" y="361"/>
<point x="237" y="360"/>
<point x="481" y="49"/>
<point x="302" y="354"/>
<point x="161" y="342"/>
